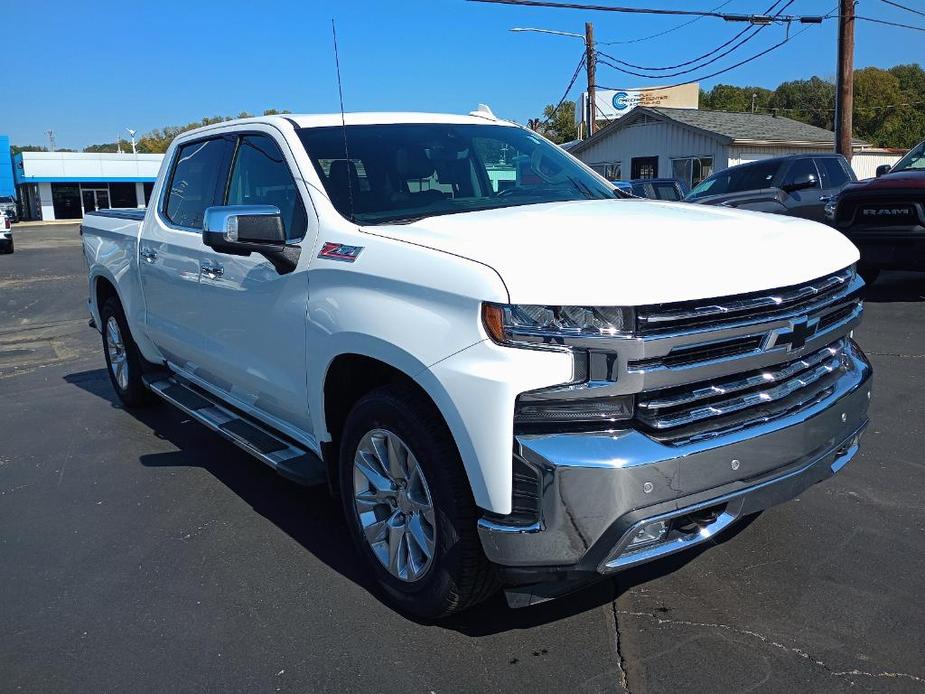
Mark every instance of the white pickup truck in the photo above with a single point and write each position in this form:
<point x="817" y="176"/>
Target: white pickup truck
<point x="510" y="375"/>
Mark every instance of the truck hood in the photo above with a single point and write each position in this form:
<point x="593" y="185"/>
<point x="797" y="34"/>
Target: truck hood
<point x="900" y="180"/>
<point x="632" y="252"/>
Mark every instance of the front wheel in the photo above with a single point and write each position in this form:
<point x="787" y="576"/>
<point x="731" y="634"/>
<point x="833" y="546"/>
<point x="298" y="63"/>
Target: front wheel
<point x="409" y="507"/>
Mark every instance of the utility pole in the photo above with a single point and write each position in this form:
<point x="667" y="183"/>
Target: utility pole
<point x="52" y="145"/>
<point x="591" y="64"/>
<point x="844" y="82"/>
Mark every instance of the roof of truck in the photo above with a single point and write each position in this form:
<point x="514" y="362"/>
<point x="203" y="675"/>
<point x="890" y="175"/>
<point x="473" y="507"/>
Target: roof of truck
<point x="321" y="120"/>
<point x="385" y="118"/>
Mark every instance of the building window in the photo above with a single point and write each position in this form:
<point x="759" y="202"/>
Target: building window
<point x="123" y="195"/>
<point x="691" y="170"/>
<point x="612" y="171"/>
<point x="644" y="167"/>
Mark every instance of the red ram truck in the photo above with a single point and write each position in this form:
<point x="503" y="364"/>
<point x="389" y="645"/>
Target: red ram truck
<point x="885" y="216"/>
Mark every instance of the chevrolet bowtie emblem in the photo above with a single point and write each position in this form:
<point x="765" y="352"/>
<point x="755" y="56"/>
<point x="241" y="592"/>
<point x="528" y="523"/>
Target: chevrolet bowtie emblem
<point x="795" y="337"/>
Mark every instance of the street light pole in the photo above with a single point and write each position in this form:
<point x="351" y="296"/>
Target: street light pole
<point x="844" y="82"/>
<point x="590" y="65"/>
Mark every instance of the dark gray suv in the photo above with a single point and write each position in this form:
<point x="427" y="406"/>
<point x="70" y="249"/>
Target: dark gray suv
<point x="798" y="185"/>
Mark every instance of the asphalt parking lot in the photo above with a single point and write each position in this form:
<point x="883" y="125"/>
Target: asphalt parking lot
<point x="140" y="552"/>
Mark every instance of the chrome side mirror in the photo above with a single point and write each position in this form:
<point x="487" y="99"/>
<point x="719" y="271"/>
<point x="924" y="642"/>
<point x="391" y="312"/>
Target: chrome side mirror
<point x="245" y="229"/>
<point x="243" y="224"/>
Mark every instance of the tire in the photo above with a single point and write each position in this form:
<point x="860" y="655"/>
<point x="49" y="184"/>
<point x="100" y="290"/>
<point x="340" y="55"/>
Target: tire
<point x="456" y="575"/>
<point x="869" y="274"/>
<point x="119" y="347"/>
<point x="7" y="247"/>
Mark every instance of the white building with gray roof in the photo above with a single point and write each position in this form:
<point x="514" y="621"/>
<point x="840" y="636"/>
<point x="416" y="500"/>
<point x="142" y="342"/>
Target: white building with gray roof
<point x="690" y="144"/>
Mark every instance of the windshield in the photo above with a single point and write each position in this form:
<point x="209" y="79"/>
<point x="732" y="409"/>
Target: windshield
<point x="405" y="172"/>
<point x="914" y="160"/>
<point x="736" y="179"/>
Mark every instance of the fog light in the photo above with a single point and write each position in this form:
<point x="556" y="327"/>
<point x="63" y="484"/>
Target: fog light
<point x="649" y="534"/>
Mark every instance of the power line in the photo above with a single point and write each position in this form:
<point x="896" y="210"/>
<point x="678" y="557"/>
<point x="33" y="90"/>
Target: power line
<point x="724" y="70"/>
<point x="903" y="7"/>
<point x="865" y="19"/>
<point x="662" y="33"/>
<point x="571" y="84"/>
<point x="729" y="17"/>
<point x="698" y="59"/>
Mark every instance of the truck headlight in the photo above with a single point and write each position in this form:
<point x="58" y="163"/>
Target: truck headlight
<point x="532" y="325"/>
<point x="582" y="402"/>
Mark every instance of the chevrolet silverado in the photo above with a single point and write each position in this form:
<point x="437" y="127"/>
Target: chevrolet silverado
<point x="510" y="375"/>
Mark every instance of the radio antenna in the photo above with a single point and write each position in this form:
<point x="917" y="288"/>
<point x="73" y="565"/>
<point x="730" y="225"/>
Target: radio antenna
<point x="343" y="120"/>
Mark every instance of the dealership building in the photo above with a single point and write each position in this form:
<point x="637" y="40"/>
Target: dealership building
<point x="65" y="185"/>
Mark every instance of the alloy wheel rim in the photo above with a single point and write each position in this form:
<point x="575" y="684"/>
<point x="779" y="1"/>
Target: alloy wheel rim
<point x="115" y="346"/>
<point x="393" y="505"/>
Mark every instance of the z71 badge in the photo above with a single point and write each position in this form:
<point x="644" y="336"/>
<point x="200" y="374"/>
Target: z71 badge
<point x="338" y="251"/>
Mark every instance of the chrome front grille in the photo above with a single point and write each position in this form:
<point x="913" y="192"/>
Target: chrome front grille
<point x="703" y="368"/>
<point x="769" y="392"/>
<point x="715" y="313"/>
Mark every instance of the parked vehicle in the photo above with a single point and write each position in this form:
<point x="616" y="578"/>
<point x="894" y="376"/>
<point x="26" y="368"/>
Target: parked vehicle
<point x="8" y="207"/>
<point x="798" y="185"/>
<point x="652" y="188"/>
<point x="6" y="235"/>
<point x="885" y="216"/>
<point x="531" y="386"/>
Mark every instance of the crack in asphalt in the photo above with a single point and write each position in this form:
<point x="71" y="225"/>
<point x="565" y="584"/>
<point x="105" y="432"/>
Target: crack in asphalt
<point x="775" y="644"/>
<point x="618" y="640"/>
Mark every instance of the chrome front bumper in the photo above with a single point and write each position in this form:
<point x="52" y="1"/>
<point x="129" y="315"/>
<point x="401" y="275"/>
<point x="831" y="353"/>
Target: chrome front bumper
<point x="598" y="489"/>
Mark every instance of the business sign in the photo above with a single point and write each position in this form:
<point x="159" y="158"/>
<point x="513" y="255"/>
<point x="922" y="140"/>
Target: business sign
<point x="616" y="103"/>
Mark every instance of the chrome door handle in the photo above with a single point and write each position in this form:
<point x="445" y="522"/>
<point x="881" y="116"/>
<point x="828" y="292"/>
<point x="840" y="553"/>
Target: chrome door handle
<point x="825" y="198"/>
<point x="211" y="270"/>
<point x="149" y="255"/>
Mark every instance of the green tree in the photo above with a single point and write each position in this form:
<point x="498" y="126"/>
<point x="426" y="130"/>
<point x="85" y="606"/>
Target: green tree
<point x="125" y="146"/>
<point x="16" y="149"/>
<point x="559" y="124"/>
<point x="728" y="97"/>
<point x="810" y="101"/>
<point x="876" y="118"/>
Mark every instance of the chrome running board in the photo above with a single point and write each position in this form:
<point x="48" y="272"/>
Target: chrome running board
<point x="287" y="458"/>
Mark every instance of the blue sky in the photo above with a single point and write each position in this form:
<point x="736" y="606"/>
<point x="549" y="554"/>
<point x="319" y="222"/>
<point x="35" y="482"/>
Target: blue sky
<point x="88" y="70"/>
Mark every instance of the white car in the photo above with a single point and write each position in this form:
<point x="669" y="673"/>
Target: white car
<point x="510" y="376"/>
<point x="6" y="234"/>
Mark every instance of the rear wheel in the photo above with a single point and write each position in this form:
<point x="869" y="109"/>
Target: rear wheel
<point x="7" y="247"/>
<point x="409" y="507"/>
<point x="123" y="360"/>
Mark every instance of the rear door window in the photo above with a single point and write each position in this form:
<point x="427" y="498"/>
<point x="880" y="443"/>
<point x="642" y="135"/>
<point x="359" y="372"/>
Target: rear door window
<point x="195" y="182"/>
